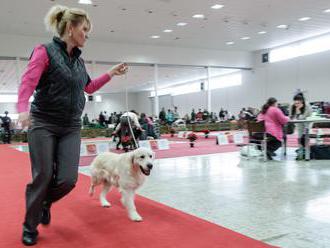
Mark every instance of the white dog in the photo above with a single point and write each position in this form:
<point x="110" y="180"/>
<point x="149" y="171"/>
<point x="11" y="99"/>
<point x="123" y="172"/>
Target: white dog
<point x="126" y="171"/>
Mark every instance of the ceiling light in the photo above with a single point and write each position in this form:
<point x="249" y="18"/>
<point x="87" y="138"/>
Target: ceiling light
<point x="304" y="19"/>
<point x="282" y="26"/>
<point x="167" y="30"/>
<point x="85" y="2"/>
<point x="199" y="16"/>
<point x="262" y="32"/>
<point x="181" y="24"/>
<point x="245" y="38"/>
<point x="230" y="43"/>
<point x="327" y="11"/>
<point x="217" y="6"/>
<point x="154" y="36"/>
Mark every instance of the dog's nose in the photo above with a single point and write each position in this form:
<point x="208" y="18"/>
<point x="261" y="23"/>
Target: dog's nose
<point x="149" y="166"/>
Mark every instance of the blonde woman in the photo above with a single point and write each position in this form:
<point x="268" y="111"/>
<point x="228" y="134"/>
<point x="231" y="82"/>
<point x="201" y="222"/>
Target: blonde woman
<point x="57" y="74"/>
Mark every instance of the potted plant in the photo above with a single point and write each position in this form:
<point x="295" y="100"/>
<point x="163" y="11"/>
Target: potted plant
<point x="172" y="131"/>
<point x="192" y="137"/>
<point x="126" y="142"/>
<point x="206" y="133"/>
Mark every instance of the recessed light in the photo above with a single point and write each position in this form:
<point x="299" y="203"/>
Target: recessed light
<point x="230" y="43"/>
<point x="155" y="37"/>
<point x="304" y="19"/>
<point x="85" y="2"/>
<point x="262" y="32"/>
<point x="217" y="6"/>
<point x="181" y="24"/>
<point x="199" y="16"/>
<point x="282" y="26"/>
<point x="326" y="11"/>
<point x="245" y="38"/>
<point x="167" y="30"/>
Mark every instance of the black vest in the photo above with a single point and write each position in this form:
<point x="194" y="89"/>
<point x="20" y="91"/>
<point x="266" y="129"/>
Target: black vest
<point x="59" y="97"/>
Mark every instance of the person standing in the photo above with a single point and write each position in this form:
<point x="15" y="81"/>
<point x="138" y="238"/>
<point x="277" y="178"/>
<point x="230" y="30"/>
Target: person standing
<point x="57" y="74"/>
<point x="6" y="123"/>
<point x="300" y="110"/>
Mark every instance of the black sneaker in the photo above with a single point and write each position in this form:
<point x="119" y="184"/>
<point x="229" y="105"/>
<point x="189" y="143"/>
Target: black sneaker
<point x="29" y="238"/>
<point x="45" y="214"/>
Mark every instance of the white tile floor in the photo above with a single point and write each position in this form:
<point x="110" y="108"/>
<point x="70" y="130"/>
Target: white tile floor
<point x="283" y="202"/>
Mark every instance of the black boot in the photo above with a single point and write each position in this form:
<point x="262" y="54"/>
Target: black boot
<point x="45" y="214"/>
<point x="269" y="156"/>
<point x="29" y="237"/>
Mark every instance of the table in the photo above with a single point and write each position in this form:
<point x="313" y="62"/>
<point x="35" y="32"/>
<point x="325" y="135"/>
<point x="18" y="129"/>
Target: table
<point x="307" y="145"/>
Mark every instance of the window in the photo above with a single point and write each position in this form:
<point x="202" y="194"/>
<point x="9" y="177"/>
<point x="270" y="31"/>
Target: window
<point x="225" y="81"/>
<point x="302" y="48"/>
<point x="216" y="82"/>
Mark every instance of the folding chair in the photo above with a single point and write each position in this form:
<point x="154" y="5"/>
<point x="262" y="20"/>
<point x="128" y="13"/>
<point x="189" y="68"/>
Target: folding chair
<point x="257" y="136"/>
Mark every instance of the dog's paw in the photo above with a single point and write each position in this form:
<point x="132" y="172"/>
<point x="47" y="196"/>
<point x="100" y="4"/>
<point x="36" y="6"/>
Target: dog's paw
<point x="91" y="191"/>
<point x="135" y="217"/>
<point x="105" y="204"/>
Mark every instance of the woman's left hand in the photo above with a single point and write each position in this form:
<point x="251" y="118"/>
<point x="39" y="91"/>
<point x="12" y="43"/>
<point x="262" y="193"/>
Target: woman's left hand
<point x="118" y="70"/>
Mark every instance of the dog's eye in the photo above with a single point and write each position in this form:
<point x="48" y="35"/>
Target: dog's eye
<point x="150" y="156"/>
<point x="142" y="157"/>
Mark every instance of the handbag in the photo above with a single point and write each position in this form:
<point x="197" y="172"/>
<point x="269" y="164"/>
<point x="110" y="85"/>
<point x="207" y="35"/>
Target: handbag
<point x="289" y="128"/>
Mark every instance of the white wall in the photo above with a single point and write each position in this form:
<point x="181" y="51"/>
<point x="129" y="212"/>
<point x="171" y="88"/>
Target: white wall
<point x="144" y="104"/>
<point x="21" y="46"/>
<point x="280" y="80"/>
<point x="310" y="73"/>
<point x="10" y="107"/>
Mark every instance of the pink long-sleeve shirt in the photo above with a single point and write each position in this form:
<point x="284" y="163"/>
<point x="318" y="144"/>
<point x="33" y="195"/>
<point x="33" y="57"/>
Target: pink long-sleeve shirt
<point x="38" y="63"/>
<point x="274" y="121"/>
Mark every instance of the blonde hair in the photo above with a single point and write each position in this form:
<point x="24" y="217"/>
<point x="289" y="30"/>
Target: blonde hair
<point x="59" y="16"/>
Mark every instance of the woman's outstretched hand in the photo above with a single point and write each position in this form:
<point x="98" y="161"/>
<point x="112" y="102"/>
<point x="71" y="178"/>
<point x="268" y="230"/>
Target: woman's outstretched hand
<point x="118" y="70"/>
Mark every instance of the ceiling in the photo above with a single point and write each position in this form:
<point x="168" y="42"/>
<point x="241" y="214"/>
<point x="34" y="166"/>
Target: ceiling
<point x="129" y="21"/>
<point x="135" y="21"/>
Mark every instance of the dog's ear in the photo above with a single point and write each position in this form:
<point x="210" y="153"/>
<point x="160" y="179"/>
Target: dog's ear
<point x="132" y="157"/>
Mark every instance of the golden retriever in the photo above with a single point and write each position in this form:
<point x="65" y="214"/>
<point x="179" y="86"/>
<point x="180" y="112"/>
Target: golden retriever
<point x="126" y="171"/>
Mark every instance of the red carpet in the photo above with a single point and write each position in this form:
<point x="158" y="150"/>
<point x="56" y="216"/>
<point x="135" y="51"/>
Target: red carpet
<point x="79" y="221"/>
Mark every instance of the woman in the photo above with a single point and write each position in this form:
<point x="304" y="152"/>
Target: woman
<point x="274" y="121"/>
<point x="300" y="110"/>
<point x="58" y="76"/>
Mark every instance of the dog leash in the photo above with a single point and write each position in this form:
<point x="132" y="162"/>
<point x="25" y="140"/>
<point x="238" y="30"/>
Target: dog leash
<point x="128" y="118"/>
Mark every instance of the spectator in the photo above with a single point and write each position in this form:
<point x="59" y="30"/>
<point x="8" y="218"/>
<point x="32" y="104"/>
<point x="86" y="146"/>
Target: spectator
<point x="169" y="117"/>
<point x="205" y="115"/>
<point x="222" y="115"/>
<point x="300" y="110"/>
<point x="162" y="115"/>
<point x="85" y="120"/>
<point x="199" y="115"/>
<point x="274" y="121"/>
<point x="193" y="115"/>
<point x="6" y="123"/>
<point x="102" y="119"/>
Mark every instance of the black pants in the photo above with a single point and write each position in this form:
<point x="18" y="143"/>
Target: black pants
<point x="272" y="143"/>
<point x="6" y="139"/>
<point x="54" y="154"/>
<point x="301" y="140"/>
